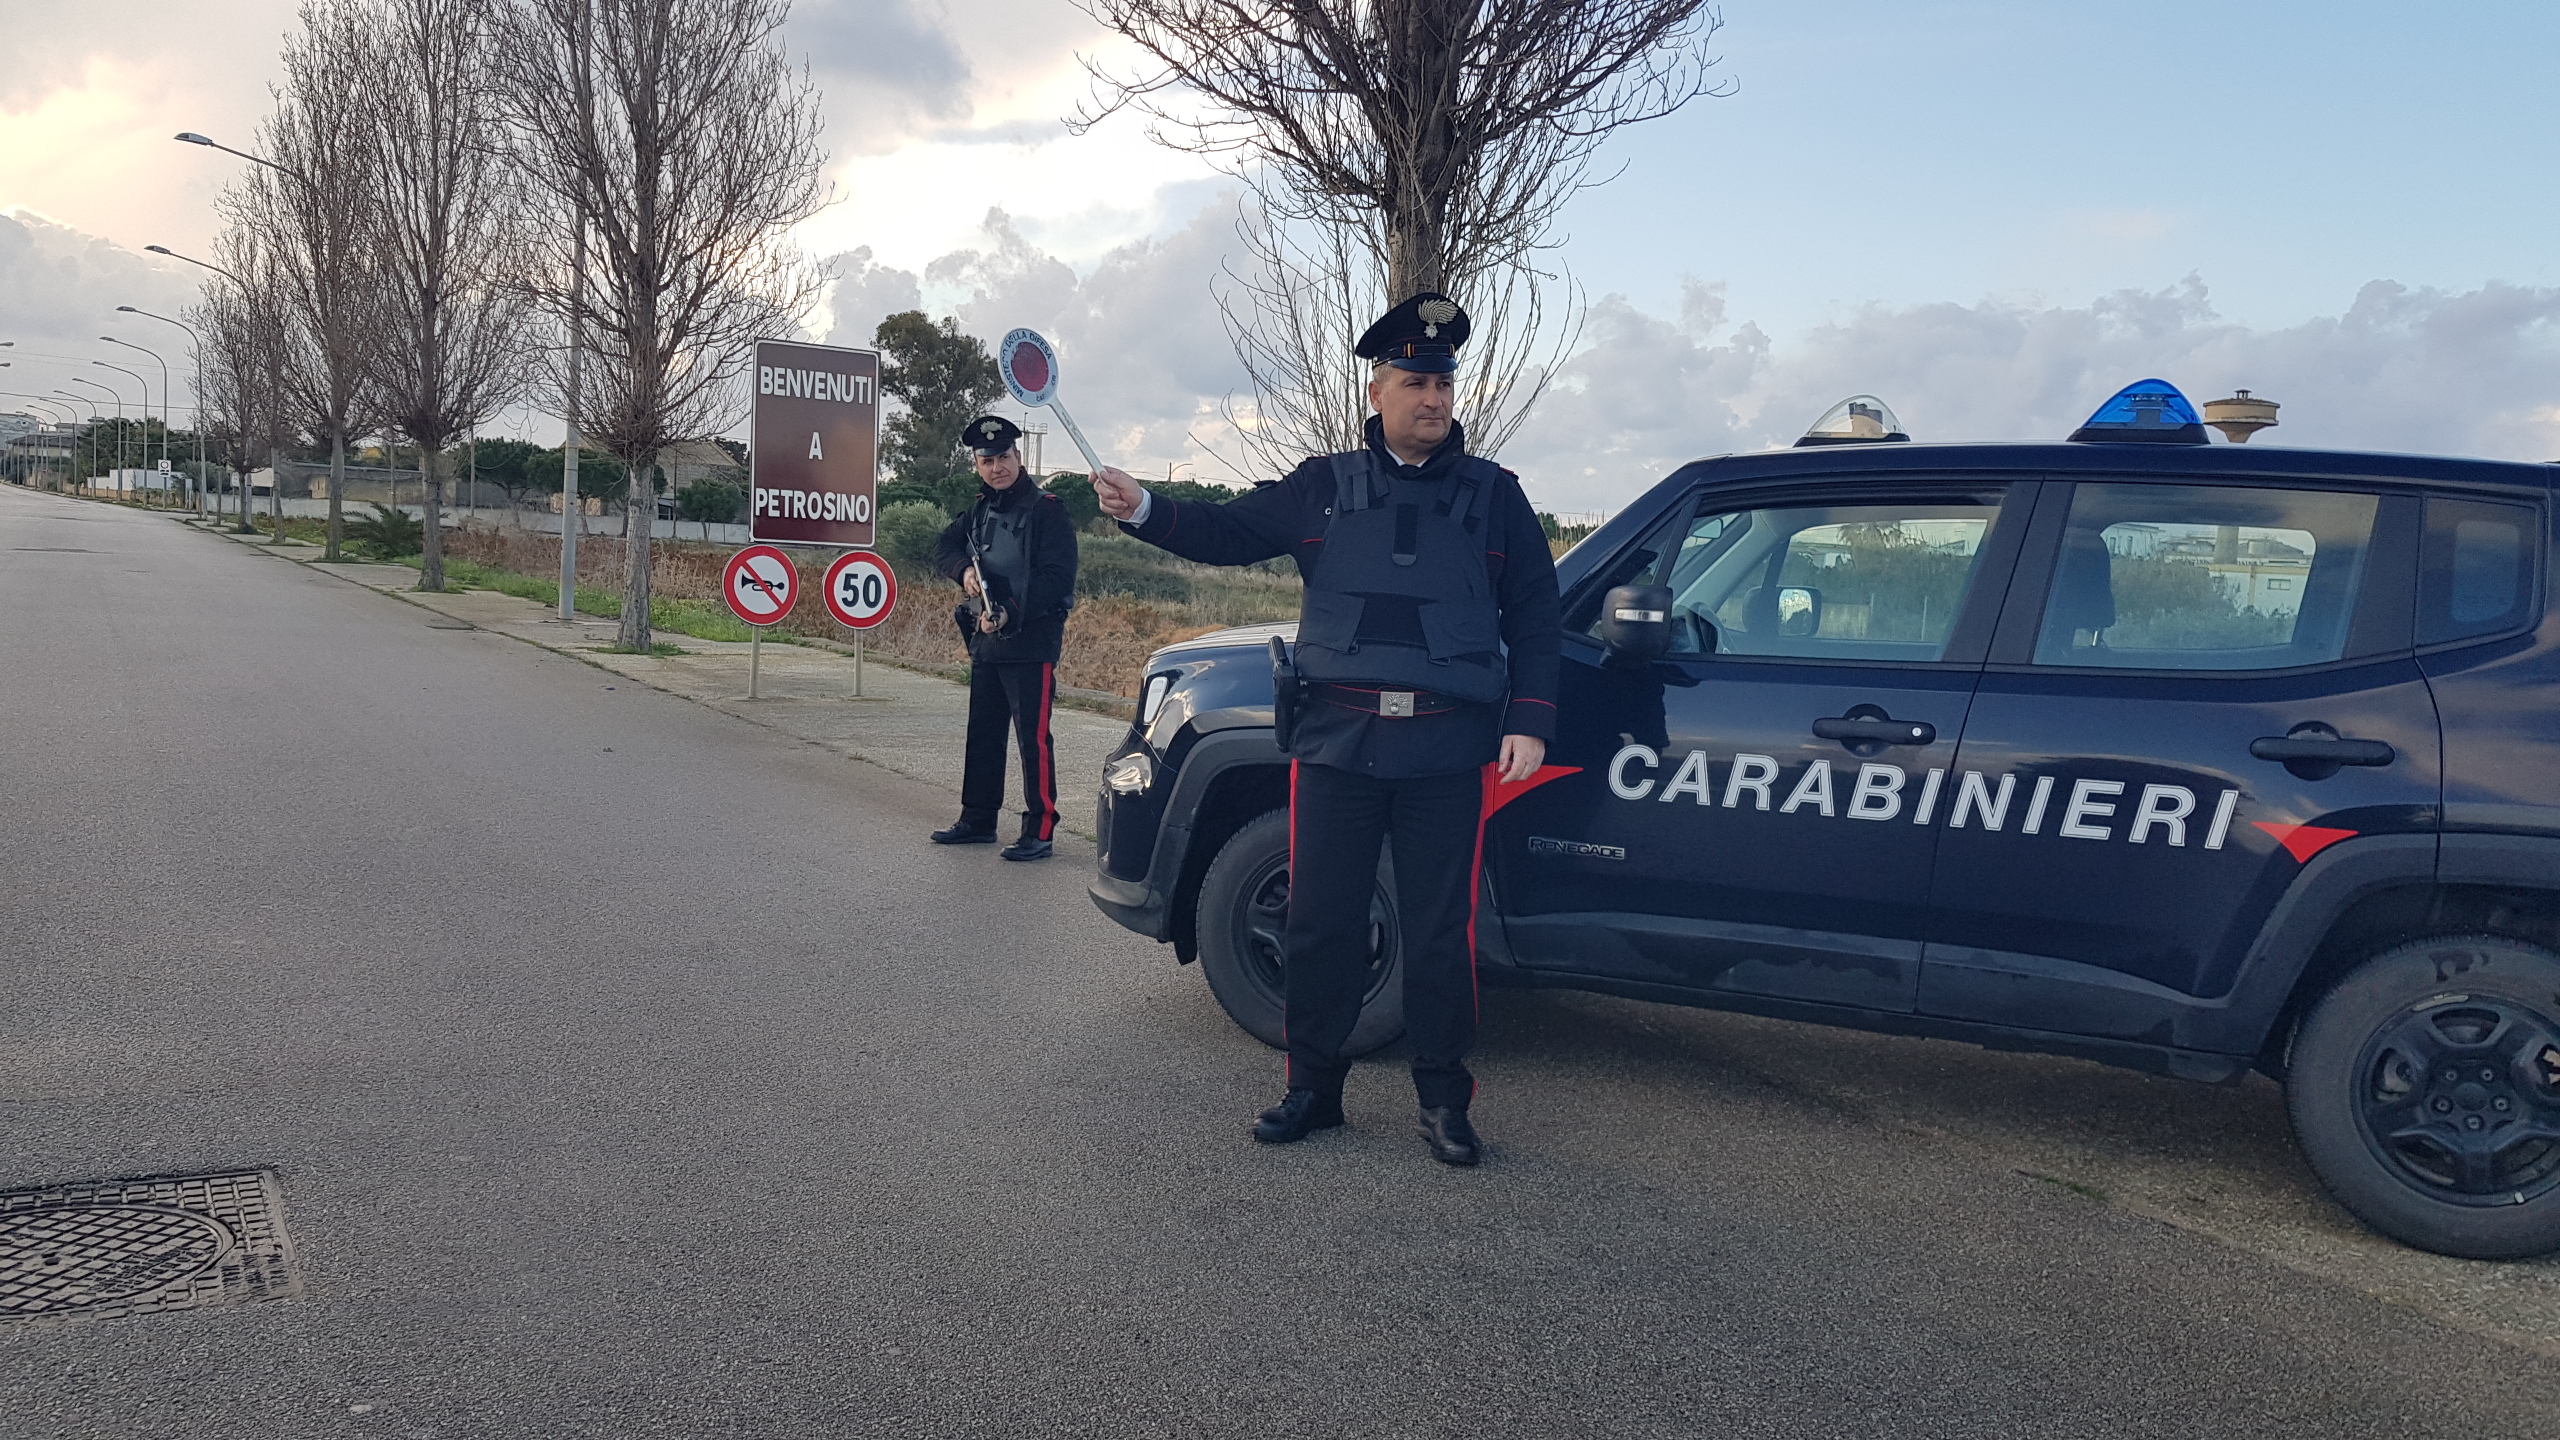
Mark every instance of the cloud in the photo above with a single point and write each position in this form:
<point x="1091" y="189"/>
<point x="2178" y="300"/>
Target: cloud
<point x="2472" y="372"/>
<point x="888" y="69"/>
<point x="59" y="289"/>
<point x="1145" y="362"/>
<point x="864" y="293"/>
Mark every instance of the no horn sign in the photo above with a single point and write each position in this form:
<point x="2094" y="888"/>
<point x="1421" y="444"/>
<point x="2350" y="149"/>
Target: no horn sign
<point x="760" y="585"/>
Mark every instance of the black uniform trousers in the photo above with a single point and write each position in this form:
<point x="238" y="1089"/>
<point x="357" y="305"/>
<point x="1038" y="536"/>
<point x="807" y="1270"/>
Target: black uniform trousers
<point x="1337" y="819"/>
<point x="1013" y="696"/>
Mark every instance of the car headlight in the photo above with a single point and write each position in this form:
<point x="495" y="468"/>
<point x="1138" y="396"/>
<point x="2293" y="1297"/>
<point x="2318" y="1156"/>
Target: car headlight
<point x="1130" y="774"/>
<point x="1158" y="687"/>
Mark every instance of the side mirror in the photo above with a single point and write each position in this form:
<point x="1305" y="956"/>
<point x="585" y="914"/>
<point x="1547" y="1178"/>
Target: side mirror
<point x="1799" y="610"/>
<point x="1635" y="623"/>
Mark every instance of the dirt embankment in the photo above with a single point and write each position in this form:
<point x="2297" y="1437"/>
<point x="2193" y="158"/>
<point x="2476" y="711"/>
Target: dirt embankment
<point x="1108" y="637"/>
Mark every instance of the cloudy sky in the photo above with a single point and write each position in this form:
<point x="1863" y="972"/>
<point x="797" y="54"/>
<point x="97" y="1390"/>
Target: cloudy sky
<point x="1990" y="213"/>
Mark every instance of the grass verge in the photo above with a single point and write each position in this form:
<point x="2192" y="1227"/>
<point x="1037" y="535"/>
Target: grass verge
<point x="701" y="619"/>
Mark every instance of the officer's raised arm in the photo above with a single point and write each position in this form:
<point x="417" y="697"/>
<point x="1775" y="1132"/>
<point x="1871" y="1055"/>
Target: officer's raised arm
<point x="1427" y="649"/>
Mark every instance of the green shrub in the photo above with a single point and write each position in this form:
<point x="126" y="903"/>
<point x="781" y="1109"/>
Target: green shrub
<point x="389" y="533"/>
<point x="1120" y="565"/>
<point x="905" y="535"/>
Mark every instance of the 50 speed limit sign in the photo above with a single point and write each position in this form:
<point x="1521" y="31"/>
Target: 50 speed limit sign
<point x="860" y="589"/>
<point x="760" y="585"/>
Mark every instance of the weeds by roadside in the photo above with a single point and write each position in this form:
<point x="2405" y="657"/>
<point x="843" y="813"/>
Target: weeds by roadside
<point x="701" y="619"/>
<point x="1134" y="598"/>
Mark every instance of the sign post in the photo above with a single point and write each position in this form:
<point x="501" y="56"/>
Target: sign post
<point x="760" y="586"/>
<point x="814" y="476"/>
<point x="860" y="591"/>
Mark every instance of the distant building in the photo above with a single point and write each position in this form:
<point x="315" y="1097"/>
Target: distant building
<point x="2240" y="415"/>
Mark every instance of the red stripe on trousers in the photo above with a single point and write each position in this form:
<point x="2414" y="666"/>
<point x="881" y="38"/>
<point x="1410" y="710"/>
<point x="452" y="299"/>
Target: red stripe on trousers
<point x="1284" y="920"/>
<point x="1048" y="761"/>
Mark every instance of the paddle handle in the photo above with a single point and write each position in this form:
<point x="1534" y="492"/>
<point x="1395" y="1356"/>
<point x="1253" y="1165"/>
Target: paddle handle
<point x="1076" y="435"/>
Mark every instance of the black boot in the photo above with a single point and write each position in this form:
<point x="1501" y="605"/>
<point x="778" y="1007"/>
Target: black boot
<point x="964" y="833"/>
<point x="1299" y="1114"/>
<point x="1027" y="848"/>
<point x="1453" y="1141"/>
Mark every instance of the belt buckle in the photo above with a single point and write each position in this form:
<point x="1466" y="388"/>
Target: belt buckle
<point x="1396" y="704"/>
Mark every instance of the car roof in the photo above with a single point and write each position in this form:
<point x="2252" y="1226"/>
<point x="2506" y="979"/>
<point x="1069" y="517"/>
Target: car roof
<point x="2235" y="462"/>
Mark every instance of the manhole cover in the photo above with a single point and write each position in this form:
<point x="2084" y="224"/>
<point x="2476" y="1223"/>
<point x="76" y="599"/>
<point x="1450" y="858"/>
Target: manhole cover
<point x="127" y="1247"/>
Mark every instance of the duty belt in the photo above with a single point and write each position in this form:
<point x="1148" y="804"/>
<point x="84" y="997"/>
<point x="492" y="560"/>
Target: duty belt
<point x="1393" y="704"/>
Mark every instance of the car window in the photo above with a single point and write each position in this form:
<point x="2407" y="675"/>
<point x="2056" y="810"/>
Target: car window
<point x="2195" y="577"/>
<point x="2478" y="574"/>
<point x="1880" y="580"/>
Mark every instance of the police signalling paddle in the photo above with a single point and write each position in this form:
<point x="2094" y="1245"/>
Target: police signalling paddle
<point x="1030" y="369"/>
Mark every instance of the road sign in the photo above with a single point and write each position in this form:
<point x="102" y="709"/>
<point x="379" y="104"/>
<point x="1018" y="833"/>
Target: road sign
<point x="1030" y="370"/>
<point x="760" y="585"/>
<point x="814" y="471"/>
<point x="861" y="589"/>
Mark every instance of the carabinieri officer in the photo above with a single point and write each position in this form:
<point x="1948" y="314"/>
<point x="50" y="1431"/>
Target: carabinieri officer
<point x="1013" y="555"/>
<point x="1429" y="632"/>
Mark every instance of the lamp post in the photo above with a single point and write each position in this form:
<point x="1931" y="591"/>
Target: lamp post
<point x="91" y="433"/>
<point x="146" y="411"/>
<point x="275" y="441"/>
<point x="50" y="406"/>
<point x="115" y="399"/>
<point x="168" y="402"/>
<point x="195" y="391"/>
<point x="275" y="383"/>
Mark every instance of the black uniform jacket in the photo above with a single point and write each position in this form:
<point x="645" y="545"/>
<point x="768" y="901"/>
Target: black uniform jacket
<point x="1290" y="517"/>
<point x="1036" y="604"/>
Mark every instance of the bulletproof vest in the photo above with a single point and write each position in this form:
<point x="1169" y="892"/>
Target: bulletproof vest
<point x="1401" y="597"/>
<point x="1004" y="547"/>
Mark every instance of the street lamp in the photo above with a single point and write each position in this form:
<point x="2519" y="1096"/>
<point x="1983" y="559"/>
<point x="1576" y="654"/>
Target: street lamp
<point x="168" y="402"/>
<point x="118" y="401"/>
<point x="51" y="406"/>
<point x="195" y="392"/>
<point x="146" y="412"/>
<point x="92" y="430"/>
<point x="190" y="259"/>
<point x="275" y="382"/>
<point x="193" y="138"/>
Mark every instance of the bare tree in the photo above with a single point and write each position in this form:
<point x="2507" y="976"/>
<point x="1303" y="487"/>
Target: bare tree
<point x="451" y="237"/>
<point x="313" y="209"/>
<point x="1393" y="147"/>
<point x="242" y="324"/>
<point x="683" y="135"/>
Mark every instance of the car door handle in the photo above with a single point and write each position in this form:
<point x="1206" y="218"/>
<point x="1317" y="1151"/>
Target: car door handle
<point x="2321" y="750"/>
<point x="1875" y="730"/>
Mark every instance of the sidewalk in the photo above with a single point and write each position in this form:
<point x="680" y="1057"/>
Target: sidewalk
<point x="904" y="720"/>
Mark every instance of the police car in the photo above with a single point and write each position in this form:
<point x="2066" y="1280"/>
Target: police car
<point x="2192" y="758"/>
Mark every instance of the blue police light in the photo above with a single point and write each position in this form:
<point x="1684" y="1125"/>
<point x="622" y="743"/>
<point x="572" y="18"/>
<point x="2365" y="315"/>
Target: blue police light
<point x="2146" y="412"/>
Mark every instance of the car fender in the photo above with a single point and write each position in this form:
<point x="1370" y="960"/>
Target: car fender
<point x="2326" y="889"/>
<point x="1148" y="906"/>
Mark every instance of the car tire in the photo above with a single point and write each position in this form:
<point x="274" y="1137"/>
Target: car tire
<point x="2425" y="1091"/>
<point x="1243" y="907"/>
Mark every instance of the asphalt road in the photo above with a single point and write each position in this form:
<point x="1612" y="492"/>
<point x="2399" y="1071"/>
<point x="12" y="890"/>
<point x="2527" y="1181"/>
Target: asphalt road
<point x="632" y="1069"/>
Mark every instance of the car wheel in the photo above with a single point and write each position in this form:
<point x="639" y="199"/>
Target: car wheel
<point x="2425" y="1091"/>
<point x="1244" y="908"/>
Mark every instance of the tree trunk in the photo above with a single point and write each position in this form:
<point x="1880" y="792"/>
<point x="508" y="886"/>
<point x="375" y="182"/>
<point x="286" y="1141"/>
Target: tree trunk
<point x="431" y="557"/>
<point x="641" y="496"/>
<point x="337" y="490"/>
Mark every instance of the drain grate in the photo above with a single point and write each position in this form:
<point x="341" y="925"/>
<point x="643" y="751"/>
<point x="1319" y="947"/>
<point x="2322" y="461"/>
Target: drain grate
<point x="139" y="1247"/>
